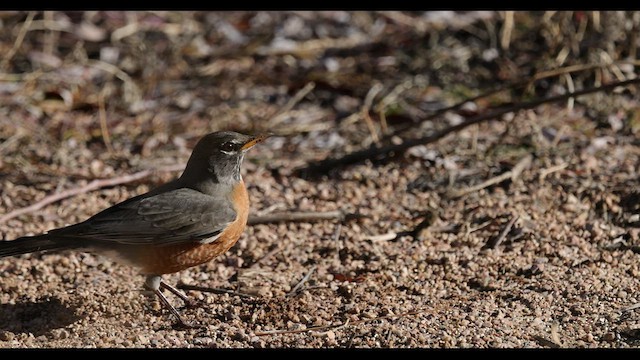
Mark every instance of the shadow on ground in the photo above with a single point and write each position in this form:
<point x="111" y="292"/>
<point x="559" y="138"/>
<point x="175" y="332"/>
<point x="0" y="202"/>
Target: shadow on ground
<point x="37" y="317"/>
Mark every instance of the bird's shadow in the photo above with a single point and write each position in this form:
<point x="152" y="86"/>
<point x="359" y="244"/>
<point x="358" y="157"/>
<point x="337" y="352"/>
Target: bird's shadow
<point x="37" y="317"/>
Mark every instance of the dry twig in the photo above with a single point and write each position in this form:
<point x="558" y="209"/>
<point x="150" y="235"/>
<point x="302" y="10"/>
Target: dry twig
<point x="514" y="85"/>
<point x="571" y="88"/>
<point x="494" y="242"/>
<point x="26" y="25"/>
<point x="51" y="37"/>
<point x="104" y="130"/>
<point x="383" y="237"/>
<point x="393" y="97"/>
<point x="545" y="172"/>
<point x="414" y="233"/>
<point x="303" y="217"/>
<point x="377" y="153"/>
<point x="512" y="174"/>
<point x="336" y="240"/>
<point x="277" y="118"/>
<point x="507" y="28"/>
<point x="416" y="23"/>
<point x="366" y="108"/>
<point x="479" y="227"/>
<point x="314" y="47"/>
<point x="299" y="285"/>
<point x="631" y="307"/>
<point x="132" y="92"/>
<point x="94" y="185"/>
<point x="213" y="290"/>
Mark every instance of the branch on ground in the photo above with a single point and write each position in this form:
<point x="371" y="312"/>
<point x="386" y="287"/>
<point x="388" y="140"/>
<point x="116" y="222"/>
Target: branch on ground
<point x="381" y="152"/>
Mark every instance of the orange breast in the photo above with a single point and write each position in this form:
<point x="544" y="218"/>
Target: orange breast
<point x="170" y="259"/>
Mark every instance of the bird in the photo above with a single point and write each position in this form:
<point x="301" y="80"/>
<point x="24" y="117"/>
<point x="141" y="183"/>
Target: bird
<point x="181" y="224"/>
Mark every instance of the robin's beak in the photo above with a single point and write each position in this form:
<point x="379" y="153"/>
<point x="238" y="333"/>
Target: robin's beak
<point x="249" y="144"/>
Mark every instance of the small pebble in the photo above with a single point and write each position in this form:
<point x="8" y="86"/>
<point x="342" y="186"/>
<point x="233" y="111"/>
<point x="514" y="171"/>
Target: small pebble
<point x="59" y="334"/>
<point x="588" y="338"/>
<point x="610" y="336"/>
<point x="240" y="335"/>
<point x="6" y="336"/>
<point x="129" y="323"/>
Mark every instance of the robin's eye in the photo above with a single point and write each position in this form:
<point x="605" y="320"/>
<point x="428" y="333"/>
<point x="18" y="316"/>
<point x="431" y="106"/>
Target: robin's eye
<point x="228" y="147"/>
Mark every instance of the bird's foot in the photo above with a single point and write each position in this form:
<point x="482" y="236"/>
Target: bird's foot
<point x="214" y="290"/>
<point x="154" y="283"/>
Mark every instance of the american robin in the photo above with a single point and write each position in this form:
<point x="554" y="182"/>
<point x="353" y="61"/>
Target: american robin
<point x="183" y="223"/>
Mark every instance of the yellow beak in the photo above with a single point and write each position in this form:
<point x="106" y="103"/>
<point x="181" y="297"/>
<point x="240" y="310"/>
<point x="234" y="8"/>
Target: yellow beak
<point x="258" y="139"/>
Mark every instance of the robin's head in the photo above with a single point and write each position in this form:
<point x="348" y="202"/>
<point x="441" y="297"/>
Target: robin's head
<point x="220" y="154"/>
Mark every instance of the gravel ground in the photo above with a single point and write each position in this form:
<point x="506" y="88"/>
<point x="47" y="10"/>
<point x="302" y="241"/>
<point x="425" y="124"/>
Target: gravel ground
<point x="561" y="276"/>
<point x="545" y="257"/>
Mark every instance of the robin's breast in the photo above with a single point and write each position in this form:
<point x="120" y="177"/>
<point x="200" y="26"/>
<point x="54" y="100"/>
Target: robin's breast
<point x="170" y="259"/>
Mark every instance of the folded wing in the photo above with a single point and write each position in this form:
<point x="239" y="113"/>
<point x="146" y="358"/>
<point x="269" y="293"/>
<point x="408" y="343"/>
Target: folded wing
<point x="174" y="217"/>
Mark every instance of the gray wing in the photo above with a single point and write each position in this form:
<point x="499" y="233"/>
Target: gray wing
<point x="178" y="216"/>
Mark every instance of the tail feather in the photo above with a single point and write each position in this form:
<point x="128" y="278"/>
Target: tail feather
<point x="29" y="244"/>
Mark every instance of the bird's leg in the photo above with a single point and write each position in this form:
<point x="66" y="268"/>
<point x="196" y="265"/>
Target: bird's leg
<point x="188" y="302"/>
<point x="153" y="283"/>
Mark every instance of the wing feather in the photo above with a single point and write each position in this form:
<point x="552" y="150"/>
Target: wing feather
<point x="174" y="217"/>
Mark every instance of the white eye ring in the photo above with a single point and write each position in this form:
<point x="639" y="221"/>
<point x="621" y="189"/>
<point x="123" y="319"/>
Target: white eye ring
<point x="228" y="148"/>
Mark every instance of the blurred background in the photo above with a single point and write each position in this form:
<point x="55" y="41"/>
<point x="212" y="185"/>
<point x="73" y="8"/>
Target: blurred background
<point x="150" y="78"/>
